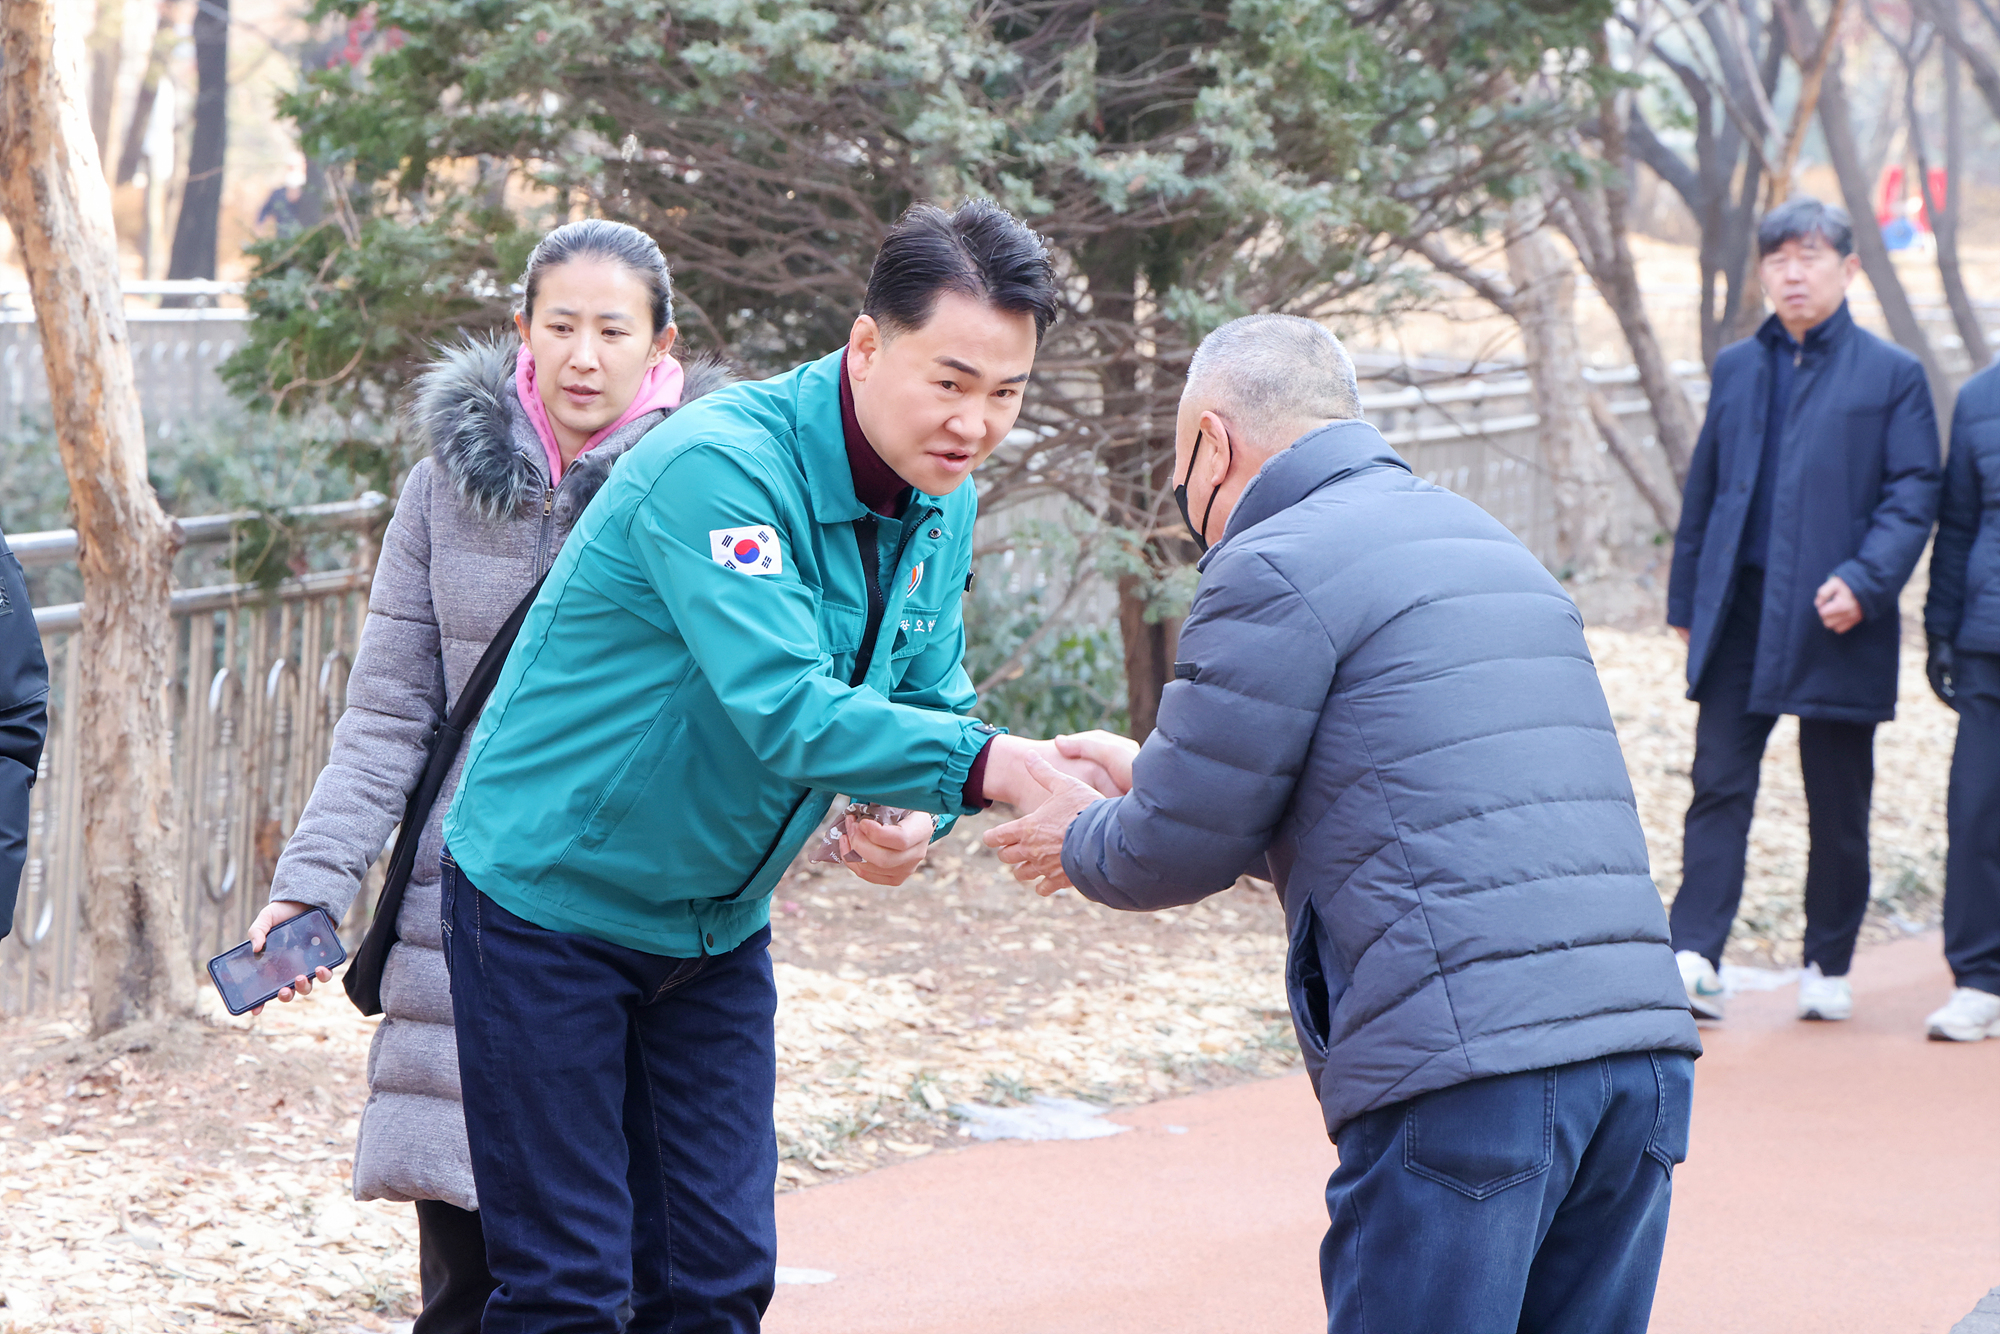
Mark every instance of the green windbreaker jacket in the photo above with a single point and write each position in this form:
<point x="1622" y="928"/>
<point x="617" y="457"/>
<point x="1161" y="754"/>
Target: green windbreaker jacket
<point x="676" y="715"/>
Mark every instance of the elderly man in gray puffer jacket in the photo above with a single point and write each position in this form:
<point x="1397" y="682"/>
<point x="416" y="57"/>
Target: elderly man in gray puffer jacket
<point x="1385" y="703"/>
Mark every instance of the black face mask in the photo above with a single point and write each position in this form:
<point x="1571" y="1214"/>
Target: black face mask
<point x="1180" y="498"/>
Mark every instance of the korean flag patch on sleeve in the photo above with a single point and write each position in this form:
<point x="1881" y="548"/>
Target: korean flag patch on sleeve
<point x="752" y="549"/>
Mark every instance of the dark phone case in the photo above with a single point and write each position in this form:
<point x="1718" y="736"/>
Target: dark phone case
<point x="279" y="938"/>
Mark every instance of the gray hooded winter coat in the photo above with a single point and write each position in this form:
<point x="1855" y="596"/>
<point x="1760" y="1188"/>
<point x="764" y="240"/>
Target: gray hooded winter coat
<point x="1387" y="699"/>
<point x="476" y="524"/>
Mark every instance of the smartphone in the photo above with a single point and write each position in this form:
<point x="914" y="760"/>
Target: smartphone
<point x="293" y="950"/>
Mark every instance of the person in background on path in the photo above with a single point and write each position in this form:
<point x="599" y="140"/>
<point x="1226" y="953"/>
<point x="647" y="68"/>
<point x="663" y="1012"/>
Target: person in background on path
<point x="285" y="207"/>
<point x="1385" y="703"/>
<point x="1962" y="620"/>
<point x="1809" y="500"/>
<point x="521" y="438"/>
<point x="24" y="720"/>
<point x="761" y="610"/>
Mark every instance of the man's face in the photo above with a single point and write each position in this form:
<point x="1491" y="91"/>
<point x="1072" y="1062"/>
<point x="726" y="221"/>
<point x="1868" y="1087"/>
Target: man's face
<point x="935" y="401"/>
<point x="1806" y="280"/>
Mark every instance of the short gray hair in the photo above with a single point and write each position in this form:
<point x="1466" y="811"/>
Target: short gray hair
<point x="1803" y="216"/>
<point x="1270" y="372"/>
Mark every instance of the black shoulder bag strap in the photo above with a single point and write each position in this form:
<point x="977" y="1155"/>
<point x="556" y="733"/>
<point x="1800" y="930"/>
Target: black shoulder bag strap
<point x="363" y="978"/>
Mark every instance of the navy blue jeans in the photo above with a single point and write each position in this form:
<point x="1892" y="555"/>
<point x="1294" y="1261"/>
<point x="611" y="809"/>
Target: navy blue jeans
<point x="1533" y="1203"/>
<point x="618" y="1108"/>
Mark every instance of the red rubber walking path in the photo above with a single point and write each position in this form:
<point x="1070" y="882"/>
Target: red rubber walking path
<point x="1842" y="1177"/>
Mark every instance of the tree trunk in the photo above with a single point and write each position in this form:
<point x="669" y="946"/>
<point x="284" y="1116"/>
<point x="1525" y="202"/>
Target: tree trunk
<point x="1856" y="191"/>
<point x="107" y="35"/>
<point x="1607" y="254"/>
<point x="53" y="193"/>
<point x="201" y="200"/>
<point x="1985" y="76"/>
<point x="134" y="147"/>
<point x="1149" y="657"/>
<point x="1944" y="212"/>
<point x="1544" y="301"/>
<point x="1137" y="473"/>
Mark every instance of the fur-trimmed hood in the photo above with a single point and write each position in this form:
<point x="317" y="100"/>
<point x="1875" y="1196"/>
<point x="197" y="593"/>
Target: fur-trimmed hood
<point x="464" y="408"/>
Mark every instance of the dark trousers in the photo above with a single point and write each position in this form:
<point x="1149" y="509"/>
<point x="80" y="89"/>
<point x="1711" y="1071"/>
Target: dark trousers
<point x="618" y="1108"/>
<point x="1534" y="1202"/>
<point x="1838" y="764"/>
<point x="1972" y="814"/>
<point x="451" y="1261"/>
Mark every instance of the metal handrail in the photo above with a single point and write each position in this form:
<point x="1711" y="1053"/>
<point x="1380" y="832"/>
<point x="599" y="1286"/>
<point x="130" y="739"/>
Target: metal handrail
<point x="66" y="617"/>
<point x="151" y="287"/>
<point x="57" y="545"/>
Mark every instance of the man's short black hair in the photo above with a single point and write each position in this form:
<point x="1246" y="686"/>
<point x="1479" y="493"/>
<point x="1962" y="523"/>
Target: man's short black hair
<point x="1796" y="219"/>
<point x="980" y="250"/>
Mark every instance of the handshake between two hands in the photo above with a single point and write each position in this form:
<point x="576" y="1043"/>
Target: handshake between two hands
<point x="1049" y="782"/>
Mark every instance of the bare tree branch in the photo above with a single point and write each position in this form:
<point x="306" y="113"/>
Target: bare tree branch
<point x="1495" y="289"/>
<point x="1665" y="508"/>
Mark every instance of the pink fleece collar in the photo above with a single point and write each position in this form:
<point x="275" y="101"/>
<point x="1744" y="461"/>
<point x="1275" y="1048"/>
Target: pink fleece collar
<point x="661" y="389"/>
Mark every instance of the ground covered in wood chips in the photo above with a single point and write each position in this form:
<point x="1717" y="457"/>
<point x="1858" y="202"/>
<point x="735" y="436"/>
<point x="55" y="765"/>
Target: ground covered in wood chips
<point x="196" y="1177"/>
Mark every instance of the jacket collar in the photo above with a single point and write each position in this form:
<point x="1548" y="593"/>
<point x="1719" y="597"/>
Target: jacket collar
<point x="1325" y="455"/>
<point x="1772" y="332"/>
<point x="823" y="442"/>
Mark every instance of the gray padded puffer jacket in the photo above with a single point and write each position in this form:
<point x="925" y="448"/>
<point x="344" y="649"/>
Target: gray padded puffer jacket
<point x="1384" y="697"/>
<point x="475" y="525"/>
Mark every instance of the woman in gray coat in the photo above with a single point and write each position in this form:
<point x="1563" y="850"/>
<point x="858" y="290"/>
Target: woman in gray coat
<point x="519" y="443"/>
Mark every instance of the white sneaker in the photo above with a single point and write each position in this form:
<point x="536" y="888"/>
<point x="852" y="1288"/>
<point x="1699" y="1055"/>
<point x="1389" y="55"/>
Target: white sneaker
<point x="1823" y="997"/>
<point x="1970" y="1014"/>
<point x="1704" y="988"/>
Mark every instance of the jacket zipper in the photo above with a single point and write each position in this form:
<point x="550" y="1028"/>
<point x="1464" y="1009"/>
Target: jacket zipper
<point x="878" y="608"/>
<point x="542" y="557"/>
<point x="878" y="601"/>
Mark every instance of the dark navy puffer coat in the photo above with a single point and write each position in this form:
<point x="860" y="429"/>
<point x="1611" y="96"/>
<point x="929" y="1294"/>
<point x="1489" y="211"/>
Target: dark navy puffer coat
<point x="1855" y="494"/>
<point x="1387" y="696"/>
<point x="1964" y="601"/>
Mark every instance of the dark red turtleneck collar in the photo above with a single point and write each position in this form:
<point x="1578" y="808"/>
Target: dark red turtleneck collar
<point x="876" y="484"/>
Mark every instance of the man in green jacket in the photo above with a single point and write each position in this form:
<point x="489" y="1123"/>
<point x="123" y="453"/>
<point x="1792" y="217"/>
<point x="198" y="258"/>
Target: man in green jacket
<point x="759" y="610"/>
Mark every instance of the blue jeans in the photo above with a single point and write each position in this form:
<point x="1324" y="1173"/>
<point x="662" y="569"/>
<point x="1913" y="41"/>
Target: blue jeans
<point x="618" y="1109"/>
<point x="1534" y="1202"/>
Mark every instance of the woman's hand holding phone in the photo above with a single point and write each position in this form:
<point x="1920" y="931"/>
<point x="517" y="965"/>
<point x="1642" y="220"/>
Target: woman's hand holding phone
<point x="275" y="913"/>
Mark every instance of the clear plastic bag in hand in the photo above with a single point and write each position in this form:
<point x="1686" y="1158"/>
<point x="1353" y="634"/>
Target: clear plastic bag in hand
<point x="837" y="844"/>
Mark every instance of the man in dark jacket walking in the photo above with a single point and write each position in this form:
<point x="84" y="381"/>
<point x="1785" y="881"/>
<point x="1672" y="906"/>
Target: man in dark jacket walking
<point x="1387" y="701"/>
<point x="1809" y="498"/>
<point x="1962" y="619"/>
<point x="24" y="696"/>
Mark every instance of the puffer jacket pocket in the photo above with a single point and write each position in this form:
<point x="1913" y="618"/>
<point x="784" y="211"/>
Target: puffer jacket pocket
<point x="1482" y="1137"/>
<point x="1306" y="986"/>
